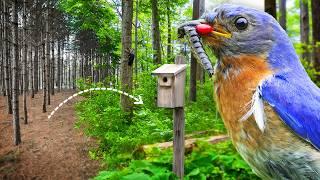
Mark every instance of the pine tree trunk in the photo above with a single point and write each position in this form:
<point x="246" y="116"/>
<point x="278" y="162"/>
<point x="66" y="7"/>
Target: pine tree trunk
<point x="2" y="51"/>
<point x="25" y="61"/>
<point x="36" y="68"/>
<point x="48" y="54"/>
<point x="126" y="40"/>
<point x="61" y="65"/>
<point x="156" y="33"/>
<point x="6" y="47"/>
<point x="304" y="29"/>
<point x="169" y="46"/>
<point x="283" y="14"/>
<point x="69" y="72"/>
<point x="52" y="67"/>
<point x="136" y="40"/>
<point x="200" y="71"/>
<point x="59" y="68"/>
<point x="74" y="72"/>
<point x="90" y="66"/>
<point x="315" y="33"/>
<point x="270" y="7"/>
<point x="44" y="75"/>
<point x="15" y="75"/>
<point x="2" y="65"/>
<point x="107" y="72"/>
<point x="32" y="71"/>
<point x="82" y="65"/>
<point x="193" y="67"/>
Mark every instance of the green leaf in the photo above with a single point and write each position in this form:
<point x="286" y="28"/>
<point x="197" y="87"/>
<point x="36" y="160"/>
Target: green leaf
<point x="136" y="176"/>
<point x="194" y="172"/>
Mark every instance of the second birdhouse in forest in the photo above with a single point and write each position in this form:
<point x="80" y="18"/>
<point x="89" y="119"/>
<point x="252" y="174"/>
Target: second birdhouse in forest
<point x="171" y="82"/>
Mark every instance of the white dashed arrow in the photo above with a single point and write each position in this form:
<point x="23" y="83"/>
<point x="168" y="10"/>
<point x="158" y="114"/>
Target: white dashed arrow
<point x="138" y="100"/>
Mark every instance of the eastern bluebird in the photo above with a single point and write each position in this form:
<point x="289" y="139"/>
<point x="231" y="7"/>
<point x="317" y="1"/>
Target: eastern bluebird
<point x="268" y="103"/>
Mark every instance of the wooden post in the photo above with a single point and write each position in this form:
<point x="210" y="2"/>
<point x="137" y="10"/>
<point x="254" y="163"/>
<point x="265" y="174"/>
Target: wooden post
<point x="178" y="141"/>
<point x="178" y="134"/>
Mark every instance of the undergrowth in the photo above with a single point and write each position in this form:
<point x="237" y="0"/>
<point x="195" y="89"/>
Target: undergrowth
<point x="206" y="161"/>
<point x="101" y="117"/>
<point x="120" y="140"/>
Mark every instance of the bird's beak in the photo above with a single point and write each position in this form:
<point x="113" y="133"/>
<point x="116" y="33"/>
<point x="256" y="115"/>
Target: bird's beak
<point x="212" y="34"/>
<point x="217" y="29"/>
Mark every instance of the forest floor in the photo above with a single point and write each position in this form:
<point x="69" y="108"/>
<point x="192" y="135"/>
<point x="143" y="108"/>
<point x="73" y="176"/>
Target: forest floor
<point x="50" y="149"/>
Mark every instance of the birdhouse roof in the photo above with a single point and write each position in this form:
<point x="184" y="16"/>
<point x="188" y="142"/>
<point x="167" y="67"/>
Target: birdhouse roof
<point x="169" y="69"/>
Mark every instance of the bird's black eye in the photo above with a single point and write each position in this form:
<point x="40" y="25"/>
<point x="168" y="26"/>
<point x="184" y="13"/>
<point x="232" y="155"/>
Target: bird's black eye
<point x="241" y="23"/>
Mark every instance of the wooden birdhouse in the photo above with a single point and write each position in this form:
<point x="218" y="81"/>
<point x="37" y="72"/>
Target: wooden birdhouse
<point x="171" y="82"/>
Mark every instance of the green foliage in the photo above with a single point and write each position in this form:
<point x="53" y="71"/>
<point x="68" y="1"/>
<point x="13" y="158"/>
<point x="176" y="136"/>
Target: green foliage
<point x="102" y="118"/>
<point x="206" y="161"/>
<point x="204" y="108"/>
<point x="96" y="16"/>
<point x="312" y="72"/>
<point x="293" y="22"/>
<point x="309" y="67"/>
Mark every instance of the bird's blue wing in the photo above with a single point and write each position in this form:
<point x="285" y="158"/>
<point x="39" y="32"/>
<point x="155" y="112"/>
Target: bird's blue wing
<point x="296" y="99"/>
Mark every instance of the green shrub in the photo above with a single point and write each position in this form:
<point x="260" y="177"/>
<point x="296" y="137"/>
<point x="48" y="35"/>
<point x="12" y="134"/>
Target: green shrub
<point x="101" y="117"/>
<point x="219" y="161"/>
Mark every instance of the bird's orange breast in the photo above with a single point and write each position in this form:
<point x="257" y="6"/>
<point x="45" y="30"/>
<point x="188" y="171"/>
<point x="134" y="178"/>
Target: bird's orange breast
<point x="236" y="81"/>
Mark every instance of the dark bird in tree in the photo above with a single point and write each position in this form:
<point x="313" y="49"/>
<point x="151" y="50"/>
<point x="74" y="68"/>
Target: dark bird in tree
<point x="131" y="57"/>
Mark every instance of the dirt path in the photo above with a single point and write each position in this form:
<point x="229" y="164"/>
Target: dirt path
<point x="50" y="149"/>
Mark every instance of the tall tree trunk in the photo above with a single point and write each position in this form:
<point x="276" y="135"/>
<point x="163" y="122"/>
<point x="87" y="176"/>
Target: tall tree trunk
<point x="62" y="65"/>
<point x="52" y="67"/>
<point x="68" y="68"/>
<point x="15" y="75"/>
<point x="2" y="65"/>
<point x="74" y="72"/>
<point x="32" y="71"/>
<point x="156" y="32"/>
<point x="81" y="66"/>
<point x="304" y="29"/>
<point x="315" y="33"/>
<point x="48" y="54"/>
<point x="2" y="52"/>
<point x="44" y="74"/>
<point x="69" y="72"/>
<point x="126" y="40"/>
<point x="169" y="46"/>
<point x="200" y="71"/>
<point x="59" y="67"/>
<point x="25" y="61"/>
<point x="36" y="67"/>
<point x="6" y="47"/>
<point x="193" y="67"/>
<point x="91" y="64"/>
<point x="270" y="7"/>
<point x="136" y="40"/>
<point x="283" y="14"/>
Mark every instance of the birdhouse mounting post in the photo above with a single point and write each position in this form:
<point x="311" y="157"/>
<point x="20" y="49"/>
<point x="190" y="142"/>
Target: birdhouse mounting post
<point x="178" y="134"/>
<point x="171" y="85"/>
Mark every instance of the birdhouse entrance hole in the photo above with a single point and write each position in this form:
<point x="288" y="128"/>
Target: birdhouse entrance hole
<point x="165" y="79"/>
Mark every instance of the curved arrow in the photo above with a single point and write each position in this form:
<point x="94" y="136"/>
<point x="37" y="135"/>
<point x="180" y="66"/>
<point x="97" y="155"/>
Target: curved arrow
<point x="138" y="100"/>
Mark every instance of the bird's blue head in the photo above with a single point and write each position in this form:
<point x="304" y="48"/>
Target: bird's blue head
<point x="240" y="30"/>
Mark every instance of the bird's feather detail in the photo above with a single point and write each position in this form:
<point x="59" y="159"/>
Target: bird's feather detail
<point x="297" y="104"/>
<point x="257" y="110"/>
